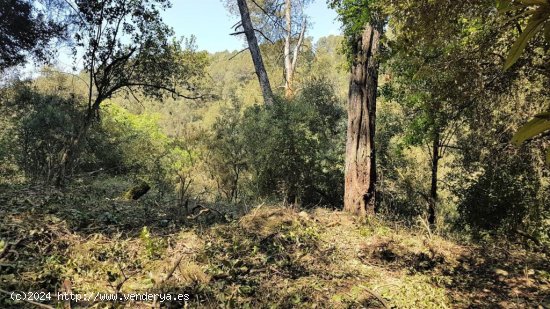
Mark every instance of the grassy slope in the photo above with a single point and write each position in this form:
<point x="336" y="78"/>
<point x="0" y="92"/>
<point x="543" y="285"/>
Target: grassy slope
<point x="270" y="257"/>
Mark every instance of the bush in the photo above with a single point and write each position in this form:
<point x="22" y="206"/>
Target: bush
<point x="508" y="196"/>
<point x="292" y="150"/>
<point x="40" y="126"/>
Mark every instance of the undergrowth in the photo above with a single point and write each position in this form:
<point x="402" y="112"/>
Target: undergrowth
<point x="271" y="257"/>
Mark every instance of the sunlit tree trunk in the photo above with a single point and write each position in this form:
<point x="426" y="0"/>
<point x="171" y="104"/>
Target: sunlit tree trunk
<point x="291" y="58"/>
<point x="360" y="177"/>
<point x="254" y="48"/>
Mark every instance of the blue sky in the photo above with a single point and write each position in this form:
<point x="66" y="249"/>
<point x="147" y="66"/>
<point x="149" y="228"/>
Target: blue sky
<point x="211" y="23"/>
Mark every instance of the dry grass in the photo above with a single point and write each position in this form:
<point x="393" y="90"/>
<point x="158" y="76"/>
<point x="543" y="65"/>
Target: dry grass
<point x="271" y="257"/>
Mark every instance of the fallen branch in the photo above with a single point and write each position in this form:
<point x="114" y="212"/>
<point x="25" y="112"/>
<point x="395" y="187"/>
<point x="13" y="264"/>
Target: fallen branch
<point x="7" y="248"/>
<point x="376" y="295"/>
<point x="528" y="236"/>
<point x="169" y="275"/>
<point x="206" y="210"/>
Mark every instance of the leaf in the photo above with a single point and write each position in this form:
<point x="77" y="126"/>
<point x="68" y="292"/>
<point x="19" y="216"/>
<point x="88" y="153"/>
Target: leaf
<point x="548" y="157"/>
<point x="503" y="5"/>
<point x="538" y="125"/>
<point x="534" y="2"/>
<point x="547" y="31"/>
<point x="507" y="6"/>
<point x="543" y="116"/>
<point x="534" y="25"/>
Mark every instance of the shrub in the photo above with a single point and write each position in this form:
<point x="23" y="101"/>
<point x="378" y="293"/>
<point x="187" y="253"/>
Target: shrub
<point x="292" y="150"/>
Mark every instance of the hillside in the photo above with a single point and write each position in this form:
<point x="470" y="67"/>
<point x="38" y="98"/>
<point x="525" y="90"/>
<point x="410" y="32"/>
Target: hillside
<point x="271" y="256"/>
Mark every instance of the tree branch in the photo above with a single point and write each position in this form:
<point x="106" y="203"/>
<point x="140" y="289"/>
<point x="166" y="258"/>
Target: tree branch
<point x="235" y="55"/>
<point x="257" y="30"/>
<point x="269" y="15"/>
<point x="299" y="45"/>
<point x="173" y="91"/>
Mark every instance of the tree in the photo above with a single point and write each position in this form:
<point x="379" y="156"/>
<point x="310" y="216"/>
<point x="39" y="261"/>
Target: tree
<point x="291" y="58"/>
<point x="249" y="31"/>
<point x="25" y="29"/>
<point x="289" y="148"/>
<point x="456" y="91"/>
<point x="281" y="21"/>
<point x="431" y="90"/>
<point x="539" y="21"/>
<point x="126" y="48"/>
<point x="227" y="153"/>
<point x="363" y="28"/>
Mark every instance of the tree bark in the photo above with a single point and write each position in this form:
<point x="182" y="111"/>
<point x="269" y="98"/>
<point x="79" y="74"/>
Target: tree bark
<point x="288" y="60"/>
<point x="291" y="59"/>
<point x="360" y="174"/>
<point x="254" y="48"/>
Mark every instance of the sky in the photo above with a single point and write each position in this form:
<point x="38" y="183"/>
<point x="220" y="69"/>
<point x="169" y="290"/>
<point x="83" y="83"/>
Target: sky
<point x="211" y="23"/>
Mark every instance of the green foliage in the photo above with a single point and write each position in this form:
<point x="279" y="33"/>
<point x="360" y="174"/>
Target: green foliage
<point x="355" y="15"/>
<point x="540" y="124"/>
<point x="40" y="126"/>
<point x="153" y="246"/>
<point x="289" y="150"/>
<point x="27" y="27"/>
<point x="504" y="198"/>
<point x="539" y="13"/>
<point x="536" y="126"/>
<point x="143" y="148"/>
<point x="227" y="159"/>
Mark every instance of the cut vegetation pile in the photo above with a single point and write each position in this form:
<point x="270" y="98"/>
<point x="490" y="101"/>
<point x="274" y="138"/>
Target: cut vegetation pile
<point x="270" y="257"/>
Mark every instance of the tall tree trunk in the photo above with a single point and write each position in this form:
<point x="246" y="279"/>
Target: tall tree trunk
<point x="360" y="177"/>
<point x="291" y="58"/>
<point x="288" y="61"/>
<point x="435" y="166"/>
<point x="248" y="28"/>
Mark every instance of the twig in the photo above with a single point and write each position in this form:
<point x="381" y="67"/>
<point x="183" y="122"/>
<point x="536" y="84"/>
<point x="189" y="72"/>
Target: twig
<point x="126" y="278"/>
<point x="30" y="301"/>
<point x="378" y="297"/>
<point x="8" y="246"/>
<point x="7" y="265"/>
<point x="205" y="210"/>
<point x="527" y="236"/>
<point x="426" y="226"/>
<point x="235" y="55"/>
<point x="170" y="274"/>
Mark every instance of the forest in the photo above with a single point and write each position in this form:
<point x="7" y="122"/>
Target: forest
<point x="401" y="163"/>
